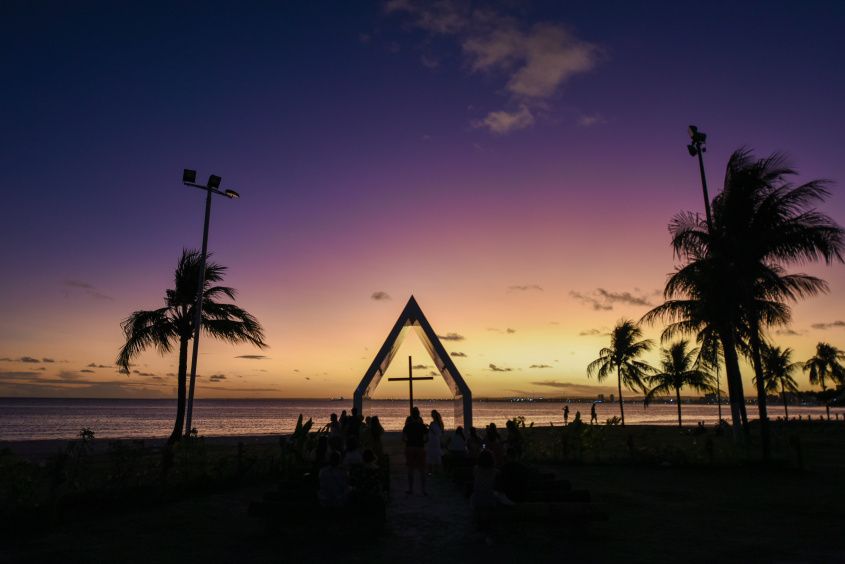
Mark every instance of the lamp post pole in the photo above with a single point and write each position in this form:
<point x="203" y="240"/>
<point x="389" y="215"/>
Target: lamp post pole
<point x="695" y="148"/>
<point x="188" y="179"/>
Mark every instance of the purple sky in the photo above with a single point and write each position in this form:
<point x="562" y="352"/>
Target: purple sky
<point x="513" y="165"/>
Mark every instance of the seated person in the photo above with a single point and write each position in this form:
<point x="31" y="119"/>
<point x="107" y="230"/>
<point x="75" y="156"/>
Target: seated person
<point x="353" y="453"/>
<point x="485" y="476"/>
<point x="367" y="480"/>
<point x="334" y="483"/>
<point x="514" y="476"/>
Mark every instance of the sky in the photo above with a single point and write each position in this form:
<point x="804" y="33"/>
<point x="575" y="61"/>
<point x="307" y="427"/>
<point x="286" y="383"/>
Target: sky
<point x="512" y="165"/>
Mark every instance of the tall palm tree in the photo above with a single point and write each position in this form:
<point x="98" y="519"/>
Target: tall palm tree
<point x="678" y="369"/>
<point x="174" y="323"/>
<point x="778" y="369"/>
<point x="826" y="365"/>
<point x="734" y="274"/>
<point x="621" y="356"/>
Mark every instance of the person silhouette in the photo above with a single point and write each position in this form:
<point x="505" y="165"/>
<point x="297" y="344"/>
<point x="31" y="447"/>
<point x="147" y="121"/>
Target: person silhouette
<point x="593" y="416"/>
<point x="566" y="415"/>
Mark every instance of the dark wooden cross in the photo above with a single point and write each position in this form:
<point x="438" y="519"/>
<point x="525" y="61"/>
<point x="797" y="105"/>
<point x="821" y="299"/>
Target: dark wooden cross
<point x="411" y="381"/>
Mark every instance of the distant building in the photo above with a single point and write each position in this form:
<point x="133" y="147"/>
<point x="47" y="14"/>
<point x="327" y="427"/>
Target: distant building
<point x="600" y="398"/>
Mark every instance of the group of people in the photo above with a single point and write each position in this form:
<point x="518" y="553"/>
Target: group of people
<point x="346" y="461"/>
<point x="347" y="456"/>
<point x="426" y="446"/>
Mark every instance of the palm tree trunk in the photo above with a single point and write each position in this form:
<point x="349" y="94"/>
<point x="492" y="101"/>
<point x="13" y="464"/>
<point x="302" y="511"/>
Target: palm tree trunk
<point x="734" y="379"/>
<point x="181" y="392"/>
<point x="621" y="409"/>
<point x="678" y="393"/>
<point x="761" y="388"/>
<point x="783" y="397"/>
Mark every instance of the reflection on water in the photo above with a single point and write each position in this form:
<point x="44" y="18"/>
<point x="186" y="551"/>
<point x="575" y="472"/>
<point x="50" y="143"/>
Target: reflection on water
<point x="29" y="418"/>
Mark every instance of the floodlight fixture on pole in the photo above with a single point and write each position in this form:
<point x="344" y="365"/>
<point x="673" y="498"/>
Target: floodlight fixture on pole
<point x="695" y="149"/>
<point x="189" y="178"/>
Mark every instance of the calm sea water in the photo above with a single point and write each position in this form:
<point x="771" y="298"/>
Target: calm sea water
<point x="34" y="419"/>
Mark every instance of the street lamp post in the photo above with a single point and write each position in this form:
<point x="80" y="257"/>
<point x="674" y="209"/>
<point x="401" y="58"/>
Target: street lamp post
<point x="189" y="178"/>
<point x="695" y="148"/>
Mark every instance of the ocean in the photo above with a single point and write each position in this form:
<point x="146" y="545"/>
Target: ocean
<point x="50" y="418"/>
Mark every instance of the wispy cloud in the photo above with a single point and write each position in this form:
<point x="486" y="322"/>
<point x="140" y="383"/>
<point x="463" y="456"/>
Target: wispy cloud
<point x="526" y="288"/>
<point x="379" y="296"/>
<point x="602" y="300"/>
<point x="451" y="337"/>
<point x="87" y="289"/>
<point x="216" y="378"/>
<point x="540" y="366"/>
<point x="590" y="333"/>
<point x="495" y="368"/>
<point x="831" y="325"/>
<point x="535" y="60"/>
<point x="253" y="356"/>
<point x="458" y="354"/>
<point x="575" y="390"/>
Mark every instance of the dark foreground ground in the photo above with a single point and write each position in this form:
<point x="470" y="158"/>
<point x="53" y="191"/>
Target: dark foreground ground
<point x="728" y="508"/>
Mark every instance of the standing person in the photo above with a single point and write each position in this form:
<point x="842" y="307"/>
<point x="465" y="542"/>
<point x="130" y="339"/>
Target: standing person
<point x="458" y="446"/>
<point x="335" y="434"/>
<point x="493" y="443"/>
<point x="376" y="431"/>
<point x="435" y="443"/>
<point x="593" y="416"/>
<point x="474" y="444"/>
<point x="566" y="415"/>
<point x="514" y="440"/>
<point x="415" y="434"/>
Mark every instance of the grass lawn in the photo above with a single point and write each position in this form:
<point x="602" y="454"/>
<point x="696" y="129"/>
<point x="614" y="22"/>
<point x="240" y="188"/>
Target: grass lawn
<point x="669" y="501"/>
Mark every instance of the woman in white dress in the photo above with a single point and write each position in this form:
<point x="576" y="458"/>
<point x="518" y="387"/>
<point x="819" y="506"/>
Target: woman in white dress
<point x="435" y="443"/>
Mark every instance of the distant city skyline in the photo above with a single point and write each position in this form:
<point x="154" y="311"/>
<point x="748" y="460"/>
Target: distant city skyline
<point x="512" y="166"/>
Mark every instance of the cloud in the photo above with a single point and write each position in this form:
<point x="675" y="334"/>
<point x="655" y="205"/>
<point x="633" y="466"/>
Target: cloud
<point x="509" y="330"/>
<point x="536" y="61"/>
<point x="47" y="360"/>
<point x="576" y="390"/>
<point x="88" y="289"/>
<point x="451" y="337"/>
<point x="525" y="288"/>
<point x="253" y="356"/>
<point x="420" y="367"/>
<point x="502" y="122"/>
<point x="18" y="375"/>
<point x="788" y="332"/>
<point x="86" y="370"/>
<point x="602" y="300"/>
<point x="540" y="366"/>
<point x="69" y="375"/>
<point x="832" y="325"/>
<point x="216" y="378"/>
<point x="590" y="333"/>
<point x="28" y="359"/>
<point x="459" y="354"/>
<point x="589" y="121"/>
<point x="495" y="368"/>
<point x="379" y="296"/>
<point x="145" y="374"/>
<point x="95" y="365"/>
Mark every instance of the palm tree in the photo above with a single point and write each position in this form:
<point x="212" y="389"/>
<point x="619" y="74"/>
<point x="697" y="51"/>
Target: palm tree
<point x="622" y="357"/>
<point x="826" y="365"/>
<point x="734" y="279"/>
<point x="678" y="369"/>
<point x="711" y="358"/>
<point x="174" y="323"/>
<point x="778" y="369"/>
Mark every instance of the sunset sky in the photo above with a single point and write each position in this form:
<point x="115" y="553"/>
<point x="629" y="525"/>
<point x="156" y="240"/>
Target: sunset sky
<point x="512" y="165"/>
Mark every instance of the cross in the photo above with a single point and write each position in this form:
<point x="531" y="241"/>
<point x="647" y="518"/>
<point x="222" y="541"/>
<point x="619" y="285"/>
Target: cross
<point x="411" y="381"/>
